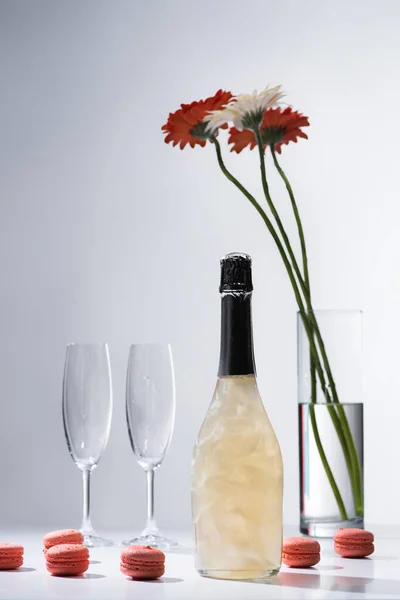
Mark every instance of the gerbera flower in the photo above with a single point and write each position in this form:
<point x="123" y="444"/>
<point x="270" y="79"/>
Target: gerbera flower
<point x="278" y="127"/>
<point x="186" y="125"/>
<point x="246" y="111"/>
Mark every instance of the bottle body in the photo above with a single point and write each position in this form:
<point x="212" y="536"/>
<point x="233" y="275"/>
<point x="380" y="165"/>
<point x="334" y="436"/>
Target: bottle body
<point x="237" y="485"/>
<point x="237" y="471"/>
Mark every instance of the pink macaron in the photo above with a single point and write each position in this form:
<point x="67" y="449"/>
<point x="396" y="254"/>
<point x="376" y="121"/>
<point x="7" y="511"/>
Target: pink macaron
<point x="142" y="562"/>
<point x="67" y="559"/>
<point x="62" y="536"/>
<point x="353" y="543"/>
<point x="11" y="556"/>
<point x="300" y="552"/>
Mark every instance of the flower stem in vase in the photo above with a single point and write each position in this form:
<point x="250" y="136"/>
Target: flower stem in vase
<point x="302" y="309"/>
<point x="339" y="419"/>
<point x="324" y="460"/>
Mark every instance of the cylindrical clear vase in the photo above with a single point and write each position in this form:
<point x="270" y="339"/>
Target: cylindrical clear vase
<point x="329" y="354"/>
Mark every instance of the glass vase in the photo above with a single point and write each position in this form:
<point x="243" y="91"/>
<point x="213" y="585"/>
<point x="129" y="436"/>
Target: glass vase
<point x="330" y="421"/>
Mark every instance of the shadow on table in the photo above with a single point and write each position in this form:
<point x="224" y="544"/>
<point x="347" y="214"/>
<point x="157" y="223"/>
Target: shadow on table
<point x="164" y="580"/>
<point x="19" y="570"/>
<point x="338" y="583"/>
<point x="83" y="576"/>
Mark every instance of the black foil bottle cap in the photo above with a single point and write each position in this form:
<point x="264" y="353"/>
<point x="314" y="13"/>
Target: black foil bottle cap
<point x="236" y="273"/>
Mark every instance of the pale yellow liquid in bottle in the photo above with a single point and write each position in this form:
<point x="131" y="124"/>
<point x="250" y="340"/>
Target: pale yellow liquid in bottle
<point x="237" y="486"/>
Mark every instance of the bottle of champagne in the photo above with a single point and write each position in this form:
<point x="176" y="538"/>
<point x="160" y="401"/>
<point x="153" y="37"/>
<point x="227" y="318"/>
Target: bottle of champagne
<point x="237" y="471"/>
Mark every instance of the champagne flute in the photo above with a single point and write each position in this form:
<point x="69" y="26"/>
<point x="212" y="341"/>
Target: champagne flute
<point x="150" y="415"/>
<point x="87" y="410"/>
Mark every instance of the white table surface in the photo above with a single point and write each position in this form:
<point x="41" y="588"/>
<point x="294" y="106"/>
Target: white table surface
<point x="333" y="578"/>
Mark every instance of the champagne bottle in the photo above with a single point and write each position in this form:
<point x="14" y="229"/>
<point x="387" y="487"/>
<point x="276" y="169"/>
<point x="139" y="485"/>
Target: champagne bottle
<point x="237" y="471"/>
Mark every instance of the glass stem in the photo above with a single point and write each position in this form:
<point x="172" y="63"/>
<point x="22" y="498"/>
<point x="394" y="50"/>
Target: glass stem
<point x="86" y="521"/>
<point x="151" y="523"/>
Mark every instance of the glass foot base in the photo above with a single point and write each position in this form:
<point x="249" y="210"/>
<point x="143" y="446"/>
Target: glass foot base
<point x="92" y="540"/>
<point x="153" y="539"/>
<point x="326" y="528"/>
<point x="239" y="575"/>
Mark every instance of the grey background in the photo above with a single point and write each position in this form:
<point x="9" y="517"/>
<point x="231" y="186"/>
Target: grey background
<point x="109" y="234"/>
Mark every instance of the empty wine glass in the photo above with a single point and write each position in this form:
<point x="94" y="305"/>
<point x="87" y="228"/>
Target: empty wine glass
<point x="150" y="415"/>
<point x="87" y="410"/>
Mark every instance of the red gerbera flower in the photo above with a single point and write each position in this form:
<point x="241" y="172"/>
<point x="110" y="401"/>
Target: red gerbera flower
<point x="277" y="128"/>
<point x="186" y="126"/>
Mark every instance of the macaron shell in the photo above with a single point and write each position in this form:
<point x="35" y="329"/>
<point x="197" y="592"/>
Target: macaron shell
<point x="7" y="549"/>
<point x="306" y="560"/>
<point x="301" y="545"/>
<point x="143" y="553"/>
<point x="353" y="535"/>
<point x="354" y="551"/>
<point x="67" y="552"/>
<point x="77" y="568"/>
<point x="62" y="536"/>
<point x="147" y="573"/>
<point x="11" y="562"/>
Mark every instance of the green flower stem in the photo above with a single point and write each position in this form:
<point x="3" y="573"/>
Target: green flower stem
<point x="355" y="473"/>
<point x="269" y="225"/>
<point x="304" y="285"/>
<point x="356" y="480"/>
<point x="328" y="471"/>
<point x="286" y="262"/>
<point x="299" y="300"/>
<point x="278" y="243"/>
<point x="297" y="217"/>
<point x="336" y="423"/>
<point x="276" y="214"/>
<point x="355" y="477"/>
<point x="357" y="487"/>
<point x="292" y="256"/>
<point x="337" y="420"/>
<point x="313" y="379"/>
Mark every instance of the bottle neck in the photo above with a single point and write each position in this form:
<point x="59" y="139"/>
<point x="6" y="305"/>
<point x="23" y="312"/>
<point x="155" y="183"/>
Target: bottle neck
<point x="237" y="354"/>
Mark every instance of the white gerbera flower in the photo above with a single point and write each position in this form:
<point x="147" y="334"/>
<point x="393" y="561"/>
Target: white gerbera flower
<point x="246" y="110"/>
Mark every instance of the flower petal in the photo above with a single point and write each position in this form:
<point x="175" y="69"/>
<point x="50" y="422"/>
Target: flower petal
<point x="181" y="125"/>
<point x="241" y="139"/>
